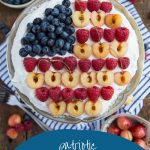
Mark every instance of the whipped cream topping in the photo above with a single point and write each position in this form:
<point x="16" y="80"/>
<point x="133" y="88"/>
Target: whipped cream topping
<point x="19" y="79"/>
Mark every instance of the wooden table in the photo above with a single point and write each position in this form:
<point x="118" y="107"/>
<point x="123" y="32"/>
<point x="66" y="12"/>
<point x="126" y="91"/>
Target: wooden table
<point x="9" y="16"/>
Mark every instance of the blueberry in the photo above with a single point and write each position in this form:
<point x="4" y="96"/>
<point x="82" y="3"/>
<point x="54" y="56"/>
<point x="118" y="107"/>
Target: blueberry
<point x="50" y="18"/>
<point x="68" y="12"/>
<point x="56" y="49"/>
<point x="41" y="54"/>
<point x="44" y="26"/>
<point x="29" y="26"/>
<point x="23" y="52"/>
<point x="44" y="41"/>
<point x="40" y="35"/>
<point x="62" y="9"/>
<point x="64" y="35"/>
<point x="52" y="35"/>
<point x="45" y="50"/>
<point x="57" y="6"/>
<point x="55" y="12"/>
<point x="68" y="21"/>
<point x="66" y="3"/>
<point x="55" y="22"/>
<point x="24" y="41"/>
<point x="61" y="24"/>
<point x="66" y="46"/>
<point x="26" y="117"/>
<point x="71" y="49"/>
<point x="62" y="52"/>
<point x="36" y="29"/>
<point x="70" y="29"/>
<point x="37" y="21"/>
<point x="48" y="11"/>
<point x="59" y="30"/>
<point x="30" y="37"/>
<point x="62" y="17"/>
<point x="35" y="42"/>
<point x="32" y="54"/>
<point x="71" y="39"/>
<point x="51" y="53"/>
<point x="59" y="43"/>
<point x="17" y="2"/>
<point x="50" y="28"/>
<point x="28" y="48"/>
<point x="37" y="49"/>
<point x="51" y="42"/>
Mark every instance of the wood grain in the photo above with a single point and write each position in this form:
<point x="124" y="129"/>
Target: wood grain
<point x="9" y="15"/>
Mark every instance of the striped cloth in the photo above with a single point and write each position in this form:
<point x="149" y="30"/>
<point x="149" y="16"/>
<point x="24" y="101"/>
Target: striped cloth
<point x="141" y="92"/>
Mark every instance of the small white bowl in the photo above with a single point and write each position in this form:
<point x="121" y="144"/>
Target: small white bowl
<point x="17" y="6"/>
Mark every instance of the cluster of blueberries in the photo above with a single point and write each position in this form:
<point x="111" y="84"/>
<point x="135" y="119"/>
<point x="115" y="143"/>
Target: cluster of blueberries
<point x="16" y="2"/>
<point x="51" y="35"/>
<point x="4" y="28"/>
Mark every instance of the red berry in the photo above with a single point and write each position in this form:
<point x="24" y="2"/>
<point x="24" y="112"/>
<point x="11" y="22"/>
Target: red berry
<point x="93" y="93"/>
<point x="43" y="64"/>
<point x="28" y="125"/>
<point x="123" y="62"/>
<point x="19" y="127"/>
<point x="107" y="92"/>
<point x="67" y="94"/>
<point x="109" y="35"/>
<point x="80" y="5"/>
<point x="93" y="5"/>
<point x="98" y="64"/>
<point x="57" y="63"/>
<point x="82" y="35"/>
<point x="106" y="6"/>
<point x="133" y="1"/>
<point x="29" y="63"/>
<point x="96" y="34"/>
<point x="55" y="93"/>
<point x="122" y="34"/>
<point x="71" y="63"/>
<point x="42" y="94"/>
<point x="84" y="65"/>
<point x="111" y="63"/>
<point x="80" y="93"/>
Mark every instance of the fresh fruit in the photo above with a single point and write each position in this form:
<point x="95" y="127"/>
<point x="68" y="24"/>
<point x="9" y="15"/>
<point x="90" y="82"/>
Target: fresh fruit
<point x="19" y="128"/>
<point x="113" y="130"/>
<point x="42" y="94"/>
<point x="70" y="80"/>
<point x="80" y="93"/>
<point x="93" y="109"/>
<point x="138" y="131"/>
<point x="113" y="20"/>
<point x="100" y="50"/>
<point x="57" y="63"/>
<point x="93" y="93"/>
<point x="133" y="1"/>
<point x="96" y="34"/>
<point x="124" y="123"/>
<point x="12" y="133"/>
<point x="52" y="79"/>
<point x="123" y="62"/>
<point x="81" y="19"/>
<point x="28" y="125"/>
<point x="109" y="35"/>
<point x="80" y="5"/>
<point x="84" y="65"/>
<point x="141" y="143"/>
<point x="111" y="63"/>
<point x="122" y="78"/>
<point x="88" y="79"/>
<point x="82" y="51"/>
<point x="43" y="64"/>
<point x="75" y="108"/>
<point x="14" y="120"/>
<point x="29" y="64"/>
<point x="105" y="78"/>
<point x="82" y="35"/>
<point x="93" y="5"/>
<point x="98" y="18"/>
<point x="122" y="34"/>
<point x="106" y="6"/>
<point x="67" y="95"/>
<point x="126" y="134"/>
<point x="57" y="109"/>
<point x="107" y="92"/>
<point x="55" y="94"/>
<point x="98" y="64"/>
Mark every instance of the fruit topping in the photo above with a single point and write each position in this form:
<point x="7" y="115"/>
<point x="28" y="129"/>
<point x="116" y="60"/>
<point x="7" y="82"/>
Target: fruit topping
<point x="80" y="93"/>
<point x="84" y="65"/>
<point x="106" y="6"/>
<point x="55" y="94"/>
<point x="123" y="62"/>
<point x="93" y="5"/>
<point x="111" y="63"/>
<point x="107" y="92"/>
<point x="109" y="35"/>
<point x="98" y="64"/>
<point x="43" y="64"/>
<point x="96" y="34"/>
<point x="82" y="35"/>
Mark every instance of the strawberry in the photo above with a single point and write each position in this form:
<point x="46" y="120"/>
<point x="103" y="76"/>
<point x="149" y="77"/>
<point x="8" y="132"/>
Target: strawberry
<point x="124" y="62"/>
<point x="93" y="5"/>
<point x="29" y="63"/>
<point x="84" y="65"/>
<point x="80" y="93"/>
<point x="82" y="35"/>
<point x="107" y="92"/>
<point x="43" y="64"/>
<point x="57" y="63"/>
<point x="80" y="5"/>
<point x="55" y="93"/>
<point x="96" y="34"/>
<point x="70" y="62"/>
<point x="111" y="63"/>
<point x="98" y="64"/>
<point x="106" y="6"/>
<point x="67" y="94"/>
<point x="109" y="34"/>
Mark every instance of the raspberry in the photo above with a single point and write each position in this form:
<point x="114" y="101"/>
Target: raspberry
<point x="43" y="64"/>
<point x="84" y="65"/>
<point x="82" y="35"/>
<point x="96" y="34"/>
<point x="106" y="6"/>
<point x="133" y="1"/>
<point x="67" y="94"/>
<point x="122" y="34"/>
<point x="80" y="93"/>
<point x="55" y="93"/>
<point x="107" y="92"/>
<point x="98" y="64"/>
<point x="93" y="93"/>
<point x="29" y="64"/>
<point x="93" y="5"/>
<point x="28" y="125"/>
<point x="124" y="62"/>
<point x="58" y="63"/>
<point x="111" y="63"/>
<point x="109" y="35"/>
<point x="42" y="94"/>
<point x="80" y="5"/>
<point x="71" y="63"/>
<point x="19" y="127"/>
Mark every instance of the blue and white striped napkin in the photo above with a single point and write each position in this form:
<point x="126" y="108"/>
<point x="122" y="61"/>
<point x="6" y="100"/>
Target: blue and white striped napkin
<point x="141" y="92"/>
